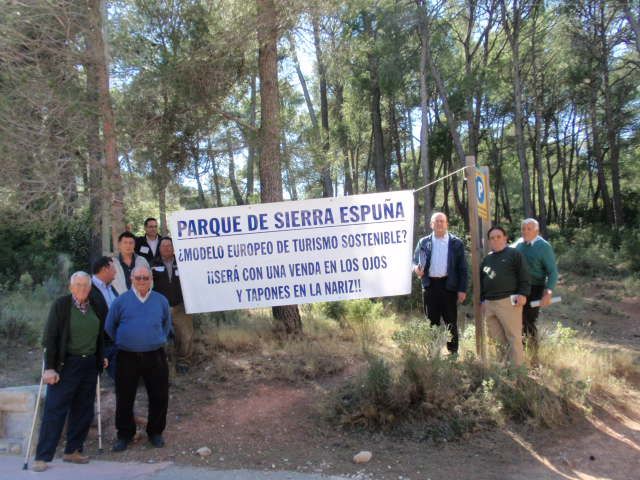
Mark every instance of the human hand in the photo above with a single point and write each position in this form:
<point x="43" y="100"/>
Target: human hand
<point x="105" y="363"/>
<point x="522" y="301"/>
<point x="546" y="298"/>
<point x="50" y="377"/>
<point x="419" y="271"/>
<point x="462" y="296"/>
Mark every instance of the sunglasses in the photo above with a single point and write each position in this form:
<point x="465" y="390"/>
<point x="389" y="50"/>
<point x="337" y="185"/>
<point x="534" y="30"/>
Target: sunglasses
<point x="141" y="278"/>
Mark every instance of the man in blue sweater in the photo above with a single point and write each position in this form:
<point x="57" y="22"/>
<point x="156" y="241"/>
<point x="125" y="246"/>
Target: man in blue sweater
<point x="139" y="321"/>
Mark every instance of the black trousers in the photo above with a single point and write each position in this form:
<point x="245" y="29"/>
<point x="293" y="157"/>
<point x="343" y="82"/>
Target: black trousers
<point x="440" y="305"/>
<point x="153" y="369"/>
<point x="73" y="395"/>
<point x="530" y="315"/>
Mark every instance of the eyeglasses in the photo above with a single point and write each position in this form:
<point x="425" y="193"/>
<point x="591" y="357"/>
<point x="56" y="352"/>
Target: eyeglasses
<point x="141" y="278"/>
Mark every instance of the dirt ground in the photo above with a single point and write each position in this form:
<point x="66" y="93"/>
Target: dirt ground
<point x="275" y="425"/>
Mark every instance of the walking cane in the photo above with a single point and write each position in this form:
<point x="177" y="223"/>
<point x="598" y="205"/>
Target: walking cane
<point x="35" y="415"/>
<point x="99" y="415"/>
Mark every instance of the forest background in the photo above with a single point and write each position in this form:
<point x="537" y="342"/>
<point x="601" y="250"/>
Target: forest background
<point x="113" y="111"/>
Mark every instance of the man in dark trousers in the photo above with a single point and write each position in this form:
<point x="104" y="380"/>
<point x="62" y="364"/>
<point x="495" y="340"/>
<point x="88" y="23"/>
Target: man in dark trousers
<point x="73" y="357"/>
<point x="440" y="263"/>
<point x="544" y="275"/>
<point x="148" y="245"/>
<point x="166" y="280"/>
<point x="139" y="321"/>
<point x="102" y="296"/>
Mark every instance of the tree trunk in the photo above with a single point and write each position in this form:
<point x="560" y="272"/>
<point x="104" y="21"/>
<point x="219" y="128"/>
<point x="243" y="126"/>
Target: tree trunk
<point x="251" y="140"/>
<point x="95" y="149"/>
<point x="237" y="195"/>
<point x="269" y="164"/>
<point x="377" y="154"/>
<point x="327" y="186"/>
<point x="395" y="141"/>
<point x="424" y="118"/>
<point x="512" y="29"/>
<point x="99" y="58"/>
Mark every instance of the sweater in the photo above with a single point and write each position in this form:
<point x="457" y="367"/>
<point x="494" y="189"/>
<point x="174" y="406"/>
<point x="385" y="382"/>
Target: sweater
<point x="57" y="331"/>
<point x="138" y="326"/>
<point x="504" y="273"/>
<point x="541" y="261"/>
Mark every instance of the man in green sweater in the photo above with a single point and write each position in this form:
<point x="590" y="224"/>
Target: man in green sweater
<point x="544" y="275"/>
<point x="504" y="288"/>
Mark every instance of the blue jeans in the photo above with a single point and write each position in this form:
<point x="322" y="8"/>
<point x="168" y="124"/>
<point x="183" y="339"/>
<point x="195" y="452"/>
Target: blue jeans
<point x="74" y="395"/>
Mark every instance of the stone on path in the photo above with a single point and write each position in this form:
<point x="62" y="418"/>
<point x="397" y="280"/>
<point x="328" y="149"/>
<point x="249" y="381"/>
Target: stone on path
<point x="362" y="457"/>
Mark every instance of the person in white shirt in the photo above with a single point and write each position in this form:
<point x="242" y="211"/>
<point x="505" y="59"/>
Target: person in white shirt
<point x="439" y="261"/>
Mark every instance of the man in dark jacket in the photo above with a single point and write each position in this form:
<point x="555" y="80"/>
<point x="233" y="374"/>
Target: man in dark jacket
<point x="440" y="263"/>
<point x="148" y="245"/>
<point x="166" y="280"/>
<point x="102" y="296"/>
<point x="73" y="357"/>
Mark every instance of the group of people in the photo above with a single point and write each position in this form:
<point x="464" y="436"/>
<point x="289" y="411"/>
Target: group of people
<point x="118" y="319"/>
<point x="512" y="277"/>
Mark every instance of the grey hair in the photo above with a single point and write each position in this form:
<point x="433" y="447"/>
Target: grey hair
<point x="140" y="267"/>
<point x="435" y="214"/>
<point x="528" y="221"/>
<point x="78" y="275"/>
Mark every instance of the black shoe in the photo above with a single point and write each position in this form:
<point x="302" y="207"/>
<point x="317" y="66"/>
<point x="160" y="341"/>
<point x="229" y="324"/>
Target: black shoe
<point x="120" y="445"/>
<point x="156" y="440"/>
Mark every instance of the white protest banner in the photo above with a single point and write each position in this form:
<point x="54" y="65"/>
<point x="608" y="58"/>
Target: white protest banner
<point x="294" y="252"/>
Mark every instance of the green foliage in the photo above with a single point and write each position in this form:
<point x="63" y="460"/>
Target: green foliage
<point x="435" y="397"/>
<point x="23" y="311"/>
<point x="41" y="250"/>
<point x="362" y="315"/>
<point x="422" y="339"/>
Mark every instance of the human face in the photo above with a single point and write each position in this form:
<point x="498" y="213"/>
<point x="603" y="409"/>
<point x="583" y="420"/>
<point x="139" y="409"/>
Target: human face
<point x="439" y="225"/>
<point x="497" y="240"/>
<point x="529" y="232"/>
<point x="108" y="273"/>
<point x="80" y="288"/>
<point x="141" y="280"/>
<point x="151" y="229"/>
<point x="126" y="245"/>
<point x="166" y="250"/>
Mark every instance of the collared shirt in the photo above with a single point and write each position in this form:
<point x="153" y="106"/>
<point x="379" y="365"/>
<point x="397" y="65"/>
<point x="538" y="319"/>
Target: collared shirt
<point x="105" y="290"/>
<point x="168" y="264"/>
<point x="140" y="297"/>
<point x="153" y="244"/>
<point x="439" y="255"/>
<point x="83" y="307"/>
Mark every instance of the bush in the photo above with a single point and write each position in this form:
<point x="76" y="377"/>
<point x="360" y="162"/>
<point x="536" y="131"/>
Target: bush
<point x="23" y="312"/>
<point x="361" y="316"/>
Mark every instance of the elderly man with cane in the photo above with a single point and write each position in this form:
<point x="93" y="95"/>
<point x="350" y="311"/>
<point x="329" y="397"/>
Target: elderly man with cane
<point x="73" y="358"/>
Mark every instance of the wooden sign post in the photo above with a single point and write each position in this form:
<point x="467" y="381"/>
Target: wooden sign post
<point x="477" y="192"/>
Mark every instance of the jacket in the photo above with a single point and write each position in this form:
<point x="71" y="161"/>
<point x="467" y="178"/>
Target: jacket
<point x="57" y="333"/>
<point x="119" y="283"/>
<point x="456" y="262"/>
<point x="170" y="288"/>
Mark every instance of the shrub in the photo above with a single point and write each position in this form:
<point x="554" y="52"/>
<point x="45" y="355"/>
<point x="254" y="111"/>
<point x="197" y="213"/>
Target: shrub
<point x="361" y="316"/>
<point x="23" y="311"/>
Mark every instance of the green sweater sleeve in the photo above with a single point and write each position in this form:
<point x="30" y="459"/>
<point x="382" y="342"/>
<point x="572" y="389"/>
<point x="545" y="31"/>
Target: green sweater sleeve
<point x="549" y="262"/>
